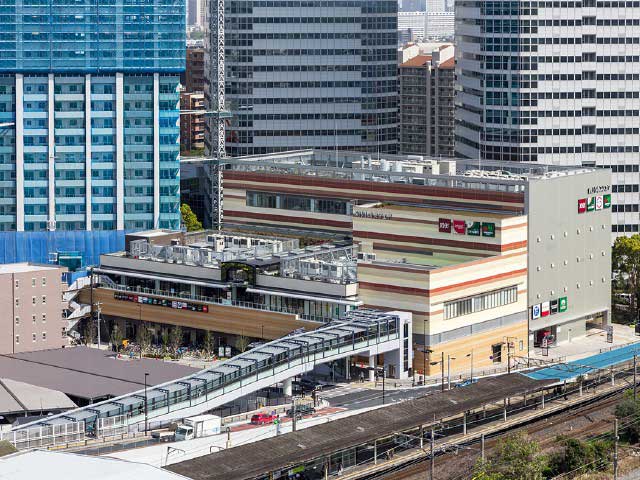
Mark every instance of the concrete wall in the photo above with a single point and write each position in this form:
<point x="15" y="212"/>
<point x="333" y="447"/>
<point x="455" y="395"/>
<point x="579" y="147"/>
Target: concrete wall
<point x="569" y="252"/>
<point x="308" y="286"/>
<point x="161" y="268"/>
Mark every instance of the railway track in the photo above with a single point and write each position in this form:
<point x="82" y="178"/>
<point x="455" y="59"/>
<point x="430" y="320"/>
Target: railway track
<point x="590" y="422"/>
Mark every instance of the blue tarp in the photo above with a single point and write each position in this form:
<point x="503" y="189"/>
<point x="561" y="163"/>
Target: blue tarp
<point x="586" y="365"/>
<point x="37" y="246"/>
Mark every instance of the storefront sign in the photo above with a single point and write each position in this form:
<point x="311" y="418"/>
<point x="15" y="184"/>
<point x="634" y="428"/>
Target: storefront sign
<point x="460" y="227"/>
<point x="551" y="307"/>
<point x="444" y="225"/>
<point x="595" y="203"/>
<point x="598" y="189"/>
<point x="562" y="304"/>
<point x="372" y="215"/>
<point x="161" y="302"/>
<point x="488" y="229"/>
<point x="473" y="229"/>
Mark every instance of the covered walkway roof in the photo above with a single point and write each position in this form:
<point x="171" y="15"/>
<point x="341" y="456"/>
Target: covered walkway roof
<point x="258" y="458"/>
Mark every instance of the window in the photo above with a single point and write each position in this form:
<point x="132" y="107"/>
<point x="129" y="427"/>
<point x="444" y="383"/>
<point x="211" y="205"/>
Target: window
<point x="33" y="337"/>
<point x="33" y="282"/>
<point x="64" y="332"/>
<point x="17" y="339"/>
<point x="478" y="303"/>
<point x="33" y="318"/>
<point x="44" y="299"/>
<point x="33" y="300"/>
<point x="17" y="320"/>
<point x="44" y="335"/>
<point x="44" y="318"/>
<point x="17" y="302"/>
<point x="17" y="283"/>
<point x="44" y="281"/>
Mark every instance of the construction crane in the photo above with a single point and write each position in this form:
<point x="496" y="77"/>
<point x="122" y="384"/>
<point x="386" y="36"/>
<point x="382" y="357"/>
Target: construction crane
<point x="215" y="115"/>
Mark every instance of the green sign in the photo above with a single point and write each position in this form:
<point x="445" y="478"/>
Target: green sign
<point x="473" y="229"/>
<point x="607" y="200"/>
<point x="488" y="229"/>
<point x="562" y="304"/>
<point x="591" y="204"/>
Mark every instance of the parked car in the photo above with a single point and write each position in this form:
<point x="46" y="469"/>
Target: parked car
<point x="301" y="410"/>
<point x="262" y="418"/>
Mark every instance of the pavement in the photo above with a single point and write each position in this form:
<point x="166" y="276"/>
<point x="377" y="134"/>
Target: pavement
<point x="168" y="453"/>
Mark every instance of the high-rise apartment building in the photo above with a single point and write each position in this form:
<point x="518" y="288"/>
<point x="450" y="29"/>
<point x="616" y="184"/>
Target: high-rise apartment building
<point x="194" y="72"/>
<point x="426" y="101"/>
<point x="92" y="88"/>
<point x="322" y="75"/>
<point x="553" y="82"/>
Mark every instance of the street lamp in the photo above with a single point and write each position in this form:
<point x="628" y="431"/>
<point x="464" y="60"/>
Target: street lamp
<point x="146" y="406"/>
<point x="449" y="358"/>
<point x="470" y="355"/>
<point x="441" y="362"/>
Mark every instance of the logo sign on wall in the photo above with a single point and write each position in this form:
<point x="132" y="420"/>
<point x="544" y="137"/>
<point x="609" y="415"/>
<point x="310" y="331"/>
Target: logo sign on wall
<point x="444" y="225"/>
<point x="535" y="311"/>
<point x="460" y="227"/>
<point x="488" y="229"/>
<point x="591" y="204"/>
<point x="473" y="228"/>
<point x="552" y="307"/>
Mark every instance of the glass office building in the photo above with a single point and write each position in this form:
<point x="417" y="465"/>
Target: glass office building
<point x="89" y="114"/>
<point x="311" y="74"/>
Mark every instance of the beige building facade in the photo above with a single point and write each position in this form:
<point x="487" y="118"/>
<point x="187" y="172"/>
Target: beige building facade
<point x="32" y="297"/>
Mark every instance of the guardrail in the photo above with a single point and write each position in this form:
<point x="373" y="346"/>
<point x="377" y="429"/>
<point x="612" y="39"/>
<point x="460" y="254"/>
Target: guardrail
<point x="363" y="330"/>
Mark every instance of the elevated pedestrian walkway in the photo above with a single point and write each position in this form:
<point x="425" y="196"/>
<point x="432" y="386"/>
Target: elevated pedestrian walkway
<point x="362" y="332"/>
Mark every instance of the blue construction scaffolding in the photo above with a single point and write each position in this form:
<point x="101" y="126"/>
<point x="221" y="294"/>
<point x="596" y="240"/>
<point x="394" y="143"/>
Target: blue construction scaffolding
<point x="44" y="247"/>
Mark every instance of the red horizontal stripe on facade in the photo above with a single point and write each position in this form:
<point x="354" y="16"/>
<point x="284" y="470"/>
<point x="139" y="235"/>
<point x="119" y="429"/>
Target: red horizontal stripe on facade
<point x="307" y="180"/>
<point x="285" y="218"/>
<point x="440" y="241"/>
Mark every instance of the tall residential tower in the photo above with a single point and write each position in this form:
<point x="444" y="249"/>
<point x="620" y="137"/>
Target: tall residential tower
<point x="553" y="82"/>
<point x="92" y="87"/>
<point x="314" y="73"/>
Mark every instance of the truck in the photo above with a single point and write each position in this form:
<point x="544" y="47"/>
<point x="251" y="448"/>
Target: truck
<point x="198" y="426"/>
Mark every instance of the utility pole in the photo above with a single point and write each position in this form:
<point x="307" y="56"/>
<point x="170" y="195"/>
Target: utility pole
<point x="615" y="450"/>
<point x="383" y="390"/>
<point x="442" y="370"/>
<point x="99" y="311"/>
<point x="295" y="414"/>
<point x="433" y="460"/>
<point x="146" y="406"/>
<point x="635" y="376"/>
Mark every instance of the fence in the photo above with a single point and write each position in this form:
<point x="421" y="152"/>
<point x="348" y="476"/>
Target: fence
<point x="46" y="436"/>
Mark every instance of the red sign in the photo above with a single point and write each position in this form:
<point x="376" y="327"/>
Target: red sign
<point x="444" y="225"/>
<point x="460" y="226"/>
<point x="582" y="205"/>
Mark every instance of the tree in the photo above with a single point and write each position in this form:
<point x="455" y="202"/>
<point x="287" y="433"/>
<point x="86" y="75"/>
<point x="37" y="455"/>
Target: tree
<point x="143" y="337"/>
<point x="176" y="338"/>
<point x="625" y="259"/>
<point x="90" y="332"/>
<point x="628" y="412"/>
<point x="242" y="343"/>
<point x="580" y="456"/>
<point x="209" y="342"/>
<point x="165" y="338"/>
<point x="516" y="458"/>
<point x="189" y="219"/>
<point x="116" y="337"/>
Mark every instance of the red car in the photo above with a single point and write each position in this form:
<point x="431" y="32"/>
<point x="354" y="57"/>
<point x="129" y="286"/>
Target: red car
<point x="262" y="419"/>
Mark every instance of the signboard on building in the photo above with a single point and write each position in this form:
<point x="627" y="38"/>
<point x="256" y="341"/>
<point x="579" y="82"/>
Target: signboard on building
<point x="554" y="307"/>
<point x="473" y="229"/>
<point x="582" y="205"/>
<point x="591" y="204"/>
<point x="545" y="309"/>
<point x="607" y="200"/>
<point x="535" y="311"/>
<point x="595" y="203"/>
<point x="460" y="227"/>
<point x="562" y="304"/>
<point x="444" y="225"/>
<point x="599" y="202"/>
<point x="488" y="229"/>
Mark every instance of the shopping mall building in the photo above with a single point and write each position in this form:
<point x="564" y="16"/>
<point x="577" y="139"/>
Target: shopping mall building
<point x="492" y="258"/>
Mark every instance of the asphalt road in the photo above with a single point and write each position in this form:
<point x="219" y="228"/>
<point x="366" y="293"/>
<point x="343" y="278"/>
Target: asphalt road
<point x="354" y="399"/>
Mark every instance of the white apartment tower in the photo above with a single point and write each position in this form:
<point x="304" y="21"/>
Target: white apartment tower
<point x="553" y="82"/>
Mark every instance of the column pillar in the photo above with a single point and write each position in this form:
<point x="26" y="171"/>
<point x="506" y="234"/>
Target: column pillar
<point x="347" y="367"/>
<point x="87" y="149"/>
<point x="156" y="149"/>
<point x="19" y="152"/>
<point x="51" y="154"/>
<point x="287" y="387"/>
<point x="372" y="366"/>
<point x="119" y="151"/>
